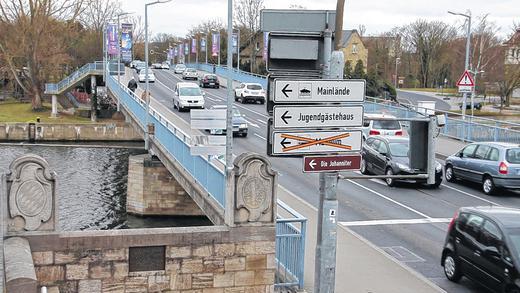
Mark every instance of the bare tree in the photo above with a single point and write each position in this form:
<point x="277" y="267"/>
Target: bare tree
<point x="485" y="45"/>
<point x="362" y="30"/>
<point x="510" y="80"/>
<point x="98" y="12"/>
<point x="35" y="38"/>
<point x="247" y="17"/>
<point x="428" y="40"/>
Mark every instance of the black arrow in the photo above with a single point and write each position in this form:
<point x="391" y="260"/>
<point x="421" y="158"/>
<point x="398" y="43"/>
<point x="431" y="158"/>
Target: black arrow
<point x="284" y="142"/>
<point x="285" y="117"/>
<point x="285" y="90"/>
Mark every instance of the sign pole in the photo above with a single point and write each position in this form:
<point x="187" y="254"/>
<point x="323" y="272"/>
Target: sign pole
<point x="325" y="262"/>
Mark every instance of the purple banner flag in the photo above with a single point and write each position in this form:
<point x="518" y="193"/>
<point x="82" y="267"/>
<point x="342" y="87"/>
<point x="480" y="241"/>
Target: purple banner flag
<point x="194" y="46"/>
<point x="266" y="40"/>
<point x="203" y="45"/>
<point x="112" y="46"/>
<point x="126" y="42"/>
<point x="215" y="45"/>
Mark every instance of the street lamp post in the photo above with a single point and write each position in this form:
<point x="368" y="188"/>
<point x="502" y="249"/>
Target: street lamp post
<point x="147" y="83"/>
<point x="238" y="49"/>
<point x="119" y="52"/>
<point x="397" y="59"/>
<point x="466" y="62"/>
<point x="206" y="47"/>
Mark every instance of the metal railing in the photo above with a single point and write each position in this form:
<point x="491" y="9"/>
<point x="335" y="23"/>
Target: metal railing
<point x="174" y="141"/>
<point x="238" y="75"/>
<point x="290" y="248"/>
<point x="87" y="69"/>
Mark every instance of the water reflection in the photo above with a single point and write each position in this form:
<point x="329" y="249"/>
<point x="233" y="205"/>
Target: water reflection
<point x="91" y="185"/>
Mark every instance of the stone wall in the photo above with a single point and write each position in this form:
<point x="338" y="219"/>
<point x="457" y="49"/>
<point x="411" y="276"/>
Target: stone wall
<point x="195" y="262"/>
<point x="69" y="132"/>
<point x="152" y="190"/>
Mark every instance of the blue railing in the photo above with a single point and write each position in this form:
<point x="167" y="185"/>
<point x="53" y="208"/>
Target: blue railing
<point x="176" y="142"/>
<point x="290" y="248"/>
<point x="89" y="68"/>
<point x="236" y="74"/>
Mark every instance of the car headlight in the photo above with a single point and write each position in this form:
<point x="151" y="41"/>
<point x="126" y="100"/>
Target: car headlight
<point x="403" y="167"/>
<point x="438" y="167"/>
<point x="244" y="125"/>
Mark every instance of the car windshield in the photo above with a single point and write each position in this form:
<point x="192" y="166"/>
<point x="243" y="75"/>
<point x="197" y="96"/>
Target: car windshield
<point x="190" y="91"/>
<point x="513" y="155"/>
<point x="254" y="87"/>
<point x="190" y="70"/>
<point x="514" y="235"/>
<point x="399" y="149"/>
<point x="211" y="76"/>
<point x="390" y="125"/>
<point x="180" y="66"/>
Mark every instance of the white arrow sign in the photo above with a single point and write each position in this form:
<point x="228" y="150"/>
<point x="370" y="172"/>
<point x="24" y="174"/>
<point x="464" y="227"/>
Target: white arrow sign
<point x="319" y="90"/>
<point x="317" y="116"/>
<point x="315" y="142"/>
<point x="312" y="164"/>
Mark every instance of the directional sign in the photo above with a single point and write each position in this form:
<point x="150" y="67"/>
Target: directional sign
<point x="315" y="142"/>
<point x="319" y="91"/>
<point x="331" y="163"/>
<point x="318" y="116"/>
<point x="466" y="83"/>
<point x="208" y="119"/>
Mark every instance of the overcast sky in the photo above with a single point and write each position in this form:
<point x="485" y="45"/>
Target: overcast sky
<point x="378" y="16"/>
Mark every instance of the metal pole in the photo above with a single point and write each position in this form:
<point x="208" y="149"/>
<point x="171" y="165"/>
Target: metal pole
<point x="197" y="50"/>
<point x="206" y="48"/>
<point x="238" y="49"/>
<point x="395" y="81"/>
<point x="104" y="50"/>
<point x="229" y="124"/>
<point x="466" y="62"/>
<point x="147" y="89"/>
<point x="340" y="4"/>
<point x="118" y="59"/>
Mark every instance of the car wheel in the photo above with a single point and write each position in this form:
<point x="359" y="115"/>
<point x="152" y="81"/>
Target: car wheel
<point x="488" y="186"/>
<point x="244" y="134"/>
<point x="452" y="267"/>
<point x="437" y="183"/>
<point x="262" y="102"/>
<point x="449" y="174"/>
<point x="389" y="181"/>
<point x="363" y="167"/>
<point x="242" y="100"/>
<point x="217" y="87"/>
<point x="174" y="105"/>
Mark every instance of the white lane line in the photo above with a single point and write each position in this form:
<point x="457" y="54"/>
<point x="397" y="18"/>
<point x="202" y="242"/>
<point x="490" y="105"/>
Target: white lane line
<point x="211" y="99"/>
<point x="259" y="136"/>
<point x="389" y="199"/>
<point x="253" y="111"/>
<point x="378" y="181"/>
<point x="395" y="222"/>
<point x="160" y="82"/>
<point x="252" y="124"/>
<point x="472" y="195"/>
<point x="261" y="121"/>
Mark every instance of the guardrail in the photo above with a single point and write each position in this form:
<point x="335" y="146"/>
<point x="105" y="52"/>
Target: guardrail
<point x="175" y="141"/>
<point x="89" y="68"/>
<point x="290" y="248"/>
<point x="235" y="74"/>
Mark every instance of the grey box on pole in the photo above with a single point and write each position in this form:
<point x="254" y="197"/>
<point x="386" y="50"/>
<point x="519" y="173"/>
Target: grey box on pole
<point x="289" y="20"/>
<point x="419" y="131"/>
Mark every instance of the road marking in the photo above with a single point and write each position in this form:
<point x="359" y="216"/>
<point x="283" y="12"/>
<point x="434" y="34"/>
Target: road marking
<point x="261" y="121"/>
<point x="252" y="124"/>
<point x="472" y="195"/>
<point x="214" y="100"/>
<point x="403" y="254"/>
<point x="259" y="136"/>
<point x="389" y="199"/>
<point x="160" y="82"/>
<point x="395" y="222"/>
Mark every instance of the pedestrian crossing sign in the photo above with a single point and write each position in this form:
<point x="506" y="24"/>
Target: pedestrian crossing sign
<point x="466" y="82"/>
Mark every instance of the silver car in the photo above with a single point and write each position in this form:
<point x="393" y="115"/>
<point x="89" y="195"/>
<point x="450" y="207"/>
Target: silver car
<point x="493" y="164"/>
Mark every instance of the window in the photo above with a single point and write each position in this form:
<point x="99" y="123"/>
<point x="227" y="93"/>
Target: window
<point x="493" y="154"/>
<point x="383" y="149"/>
<point x="369" y="142"/>
<point x="468" y="151"/>
<point x="399" y="149"/>
<point x="386" y="124"/>
<point x="375" y="144"/>
<point x="462" y="220"/>
<point x="513" y="155"/>
<point x="481" y="152"/>
<point x="354" y="48"/>
<point x="490" y="235"/>
<point x="473" y="225"/>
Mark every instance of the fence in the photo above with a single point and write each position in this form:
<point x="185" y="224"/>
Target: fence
<point x="290" y="248"/>
<point x="175" y="141"/>
<point x="236" y="74"/>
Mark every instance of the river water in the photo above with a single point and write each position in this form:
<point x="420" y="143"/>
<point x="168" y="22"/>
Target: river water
<point x="91" y="187"/>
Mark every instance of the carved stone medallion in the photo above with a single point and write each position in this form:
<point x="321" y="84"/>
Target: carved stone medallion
<point x="255" y="183"/>
<point x="31" y="198"/>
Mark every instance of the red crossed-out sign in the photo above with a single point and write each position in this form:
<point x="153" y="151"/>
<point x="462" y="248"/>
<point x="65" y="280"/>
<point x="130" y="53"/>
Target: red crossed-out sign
<point x="466" y="79"/>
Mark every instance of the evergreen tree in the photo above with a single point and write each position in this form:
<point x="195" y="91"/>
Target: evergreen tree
<point x="347" y="70"/>
<point x="359" y="70"/>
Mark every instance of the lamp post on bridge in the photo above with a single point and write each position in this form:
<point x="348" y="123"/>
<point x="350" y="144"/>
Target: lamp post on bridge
<point x="147" y="83"/>
<point x="119" y="52"/>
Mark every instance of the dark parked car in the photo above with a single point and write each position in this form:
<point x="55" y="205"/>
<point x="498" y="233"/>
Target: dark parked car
<point x="493" y="164"/>
<point x="209" y="80"/>
<point x="388" y="155"/>
<point x="483" y="244"/>
<point x="476" y="106"/>
<point x="240" y="125"/>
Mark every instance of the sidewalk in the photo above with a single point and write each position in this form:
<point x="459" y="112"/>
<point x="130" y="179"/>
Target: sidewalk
<point x="360" y="266"/>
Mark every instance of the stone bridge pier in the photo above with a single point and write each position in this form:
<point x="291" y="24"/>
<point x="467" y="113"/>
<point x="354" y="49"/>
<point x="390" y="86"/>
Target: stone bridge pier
<point x="234" y="255"/>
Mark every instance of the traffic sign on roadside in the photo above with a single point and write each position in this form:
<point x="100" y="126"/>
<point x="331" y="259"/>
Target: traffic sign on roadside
<point x="466" y="82"/>
<point x="331" y="163"/>
<point x="319" y="91"/>
<point x="318" y="116"/>
<point x="315" y="142"/>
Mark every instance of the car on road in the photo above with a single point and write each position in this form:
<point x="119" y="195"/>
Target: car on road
<point x="209" y="80"/>
<point x="179" y="68"/>
<point x="250" y="92"/>
<point x="381" y="127"/>
<point x="190" y="73"/>
<point x="165" y="65"/>
<point x="476" y="106"/>
<point x="140" y="65"/>
<point x="493" y="164"/>
<point x="157" y="65"/>
<point x="188" y="95"/>
<point x="240" y="126"/>
<point x="483" y="244"/>
<point x="389" y="155"/>
<point x="142" y="76"/>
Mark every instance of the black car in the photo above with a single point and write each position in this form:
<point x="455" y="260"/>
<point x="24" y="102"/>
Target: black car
<point x="388" y="155"/>
<point x="483" y="244"/>
<point x="209" y="80"/>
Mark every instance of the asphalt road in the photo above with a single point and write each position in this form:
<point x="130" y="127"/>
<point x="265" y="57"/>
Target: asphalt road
<point x="418" y="244"/>
<point x="413" y="98"/>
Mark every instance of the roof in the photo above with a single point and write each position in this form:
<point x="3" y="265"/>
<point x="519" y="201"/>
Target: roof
<point x="507" y="216"/>
<point x="499" y="144"/>
<point x="515" y="38"/>
<point x="187" y="84"/>
<point x="374" y="115"/>
<point x="345" y="37"/>
<point x="392" y="138"/>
